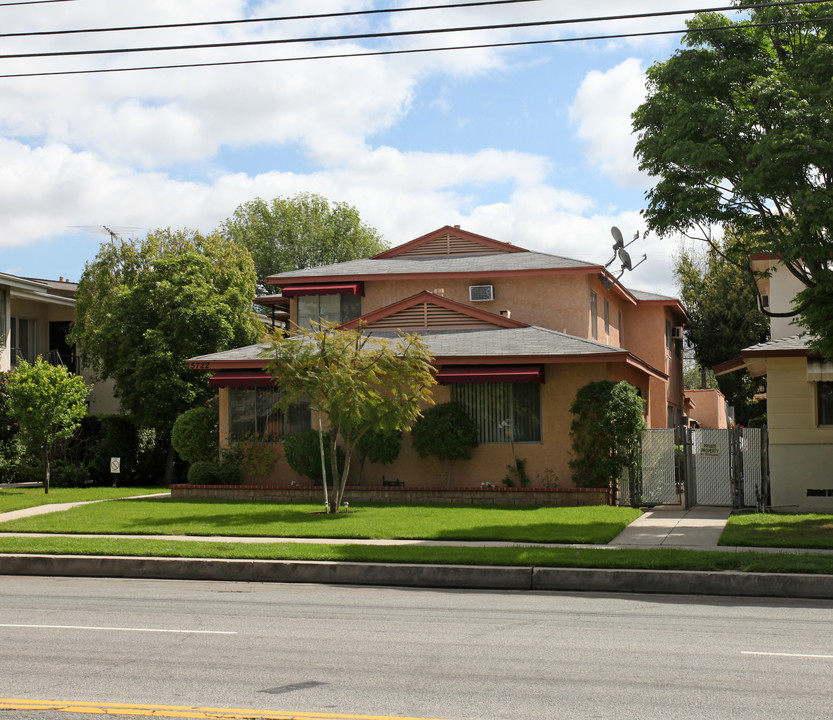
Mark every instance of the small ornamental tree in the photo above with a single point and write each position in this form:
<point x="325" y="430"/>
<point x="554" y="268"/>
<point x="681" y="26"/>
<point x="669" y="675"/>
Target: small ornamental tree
<point x="446" y="431"/>
<point x="48" y="403"/>
<point x="606" y="432"/>
<point x="196" y="435"/>
<point x="360" y="383"/>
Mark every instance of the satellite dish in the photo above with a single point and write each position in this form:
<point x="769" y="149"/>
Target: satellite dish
<point x="625" y="259"/>
<point x="617" y="236"/>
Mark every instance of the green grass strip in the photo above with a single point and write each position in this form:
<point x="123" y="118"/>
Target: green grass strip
<point x="652" y="559"/>
<point x="779" y="531"/>
<point x="176" y="516"/>
<point x="16" y="498"/>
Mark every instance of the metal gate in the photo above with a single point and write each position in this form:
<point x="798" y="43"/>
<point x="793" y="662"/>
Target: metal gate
<point x="700" y="467"/>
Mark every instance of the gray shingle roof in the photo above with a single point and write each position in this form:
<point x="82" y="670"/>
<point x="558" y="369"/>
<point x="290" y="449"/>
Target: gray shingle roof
<point x="785" y="344"/>
<point x="499" y="342"/>
<point x="437" y="264"/>
<point x="642" y="295"/>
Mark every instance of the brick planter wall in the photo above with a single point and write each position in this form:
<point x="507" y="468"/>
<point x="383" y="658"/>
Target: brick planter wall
<point x="491" y="496"/>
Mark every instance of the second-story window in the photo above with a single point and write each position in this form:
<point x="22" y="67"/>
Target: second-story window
<point x="607" y="317"/>
<point x="329" y="308"/>
<point x="594" y="315"/>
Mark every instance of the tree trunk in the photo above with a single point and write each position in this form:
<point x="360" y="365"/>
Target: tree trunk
<point x="169" y="465"/>
<point x="46" y="468"/>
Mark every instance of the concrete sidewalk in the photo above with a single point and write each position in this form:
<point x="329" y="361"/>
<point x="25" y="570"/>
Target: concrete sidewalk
<point x="699" y="527"/>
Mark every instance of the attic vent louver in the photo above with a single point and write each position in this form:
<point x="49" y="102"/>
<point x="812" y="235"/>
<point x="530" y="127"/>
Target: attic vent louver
<point x="481" y="293"/>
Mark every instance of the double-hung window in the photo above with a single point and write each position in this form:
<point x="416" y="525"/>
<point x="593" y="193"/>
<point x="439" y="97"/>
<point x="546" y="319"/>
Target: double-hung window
<point x="503" y="412"/>
<point x="824" y="398"/>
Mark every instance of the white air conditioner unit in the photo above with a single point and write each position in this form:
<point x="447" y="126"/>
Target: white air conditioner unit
<point x="481" y="293"/>
<point x="677" y="332"/>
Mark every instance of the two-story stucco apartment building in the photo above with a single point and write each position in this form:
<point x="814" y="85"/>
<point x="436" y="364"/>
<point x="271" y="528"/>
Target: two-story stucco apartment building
<point x="799" y="398"/>
<point x="514" y="334"/>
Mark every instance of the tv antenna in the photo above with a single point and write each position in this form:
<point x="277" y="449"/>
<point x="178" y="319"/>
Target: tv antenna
<point x="619" y="251"/>
<point x="114" y="231"/>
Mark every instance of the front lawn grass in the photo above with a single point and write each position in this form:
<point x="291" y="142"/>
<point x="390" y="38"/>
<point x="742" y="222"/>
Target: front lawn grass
<point x="651" y="559"/>
<point x="17" y="498"/>
<point x="177" y="516"/>
<point x="779" y="531"/>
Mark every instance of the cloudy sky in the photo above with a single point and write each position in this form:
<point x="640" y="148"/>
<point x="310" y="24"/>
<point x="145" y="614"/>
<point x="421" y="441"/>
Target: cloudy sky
<point x="528" y="144"/>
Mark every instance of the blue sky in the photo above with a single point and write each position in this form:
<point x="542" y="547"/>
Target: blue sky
<point x="529" y="145"/>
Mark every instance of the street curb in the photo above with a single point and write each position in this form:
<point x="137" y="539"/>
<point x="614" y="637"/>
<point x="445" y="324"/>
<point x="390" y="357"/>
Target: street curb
<point x="427" y="576"/>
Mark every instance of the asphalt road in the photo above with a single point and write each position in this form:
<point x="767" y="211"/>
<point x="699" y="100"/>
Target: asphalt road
<point x="314" y="651"/>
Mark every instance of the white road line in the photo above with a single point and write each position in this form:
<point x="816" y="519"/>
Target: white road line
<point x="120" y="629"/>
<point x="798" y="655"/>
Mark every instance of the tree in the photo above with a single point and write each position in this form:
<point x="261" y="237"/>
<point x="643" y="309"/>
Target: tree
<point x="736" y="131"/>
<point x="606" y="432"/>
<point x="300" y="232"/>
<point x="446" y="431"/>
<point x="196" y="434"/>
<point x="47" y="401"/>
<point x="360" y="383"/>
<point x="145" y="306"/>
<point x="723" y="319"/>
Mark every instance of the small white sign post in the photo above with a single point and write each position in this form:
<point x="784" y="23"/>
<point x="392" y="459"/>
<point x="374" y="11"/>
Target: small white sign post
<point x="115" y="468"/>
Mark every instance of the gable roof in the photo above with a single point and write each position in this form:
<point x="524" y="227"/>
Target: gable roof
<point x="428" y="311"/>
<point x="498" y="346"/>
<point x="450" y="241"/>
<point x="461" y="266"/>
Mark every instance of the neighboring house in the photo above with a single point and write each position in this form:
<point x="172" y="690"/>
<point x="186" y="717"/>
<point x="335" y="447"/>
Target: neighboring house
<point x="35" y="317"/>
<point x="799" y="395"/>
<point x="707" y="408"/>
<point x="514" y="335"/>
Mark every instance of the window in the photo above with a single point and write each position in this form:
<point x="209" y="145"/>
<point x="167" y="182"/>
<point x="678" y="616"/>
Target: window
<point x="668" y="341"/>
<point x="621" y="334"/>
<point x="607" y="317"/>
<point x="24" y="340"/>
<point x="594" y="315"/>
<point x="503" y="412"/>
<point x="340" y="308"/>
<point x="254" y="415"/>
<point x="824" y="395"/>
<point x="2" y="318"/>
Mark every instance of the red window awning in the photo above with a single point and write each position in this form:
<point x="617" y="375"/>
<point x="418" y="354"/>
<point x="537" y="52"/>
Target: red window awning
<point x="241" y="378"/>
<point x="354" y="288"/>
<point x="491" y="374"/>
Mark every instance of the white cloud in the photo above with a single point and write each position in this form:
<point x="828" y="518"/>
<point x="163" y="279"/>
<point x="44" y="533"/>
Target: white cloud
<point x="602" y="111"/>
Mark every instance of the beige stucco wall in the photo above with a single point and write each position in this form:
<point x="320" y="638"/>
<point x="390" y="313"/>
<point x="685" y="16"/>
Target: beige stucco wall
<point x="709" y="408"/>
<point x="556" y="302"/>
<point x="801" y="453"/>
<point x="489" y="462"/>
<point x="644" y="336"/>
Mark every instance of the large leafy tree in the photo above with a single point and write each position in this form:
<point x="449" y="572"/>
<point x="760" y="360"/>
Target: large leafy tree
<point x="723" y="319"/>
<point x="48" y="403"/>
<point x="361" y="384"/>
<point x="145" y="306"/>
<point x="736" y="131"/>
<point x="289" y="233"/>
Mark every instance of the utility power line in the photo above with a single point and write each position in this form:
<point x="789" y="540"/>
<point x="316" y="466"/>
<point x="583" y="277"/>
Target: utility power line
<point x="387" y="34"/>
<point x="518" y="43"/>
<point x="283" y="18"/>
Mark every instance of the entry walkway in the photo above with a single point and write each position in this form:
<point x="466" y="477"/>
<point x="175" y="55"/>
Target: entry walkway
<point x="699" y="527"/>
